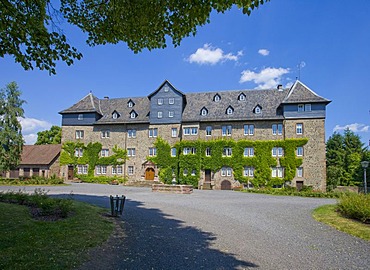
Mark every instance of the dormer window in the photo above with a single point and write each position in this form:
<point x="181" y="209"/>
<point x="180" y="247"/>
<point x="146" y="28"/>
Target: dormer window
<point x="166" y="88"/>
<point x="130" y="103"/>
<point x="242" y="97"/>
<point x="133" y="114"/>
<point x="257" y="109"/>
<point x="115" y="115"/>
<point x="203" y="111"/>
<point x="301" y="107"/>
<point x="229" y="110"/>
<point x="217" y="98"/>
<point x="80" y="116"/>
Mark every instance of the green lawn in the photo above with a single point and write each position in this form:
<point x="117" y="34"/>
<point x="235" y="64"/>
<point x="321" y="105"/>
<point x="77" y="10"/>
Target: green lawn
<point x="328" y="214"/>
<point x="29" y="244"/>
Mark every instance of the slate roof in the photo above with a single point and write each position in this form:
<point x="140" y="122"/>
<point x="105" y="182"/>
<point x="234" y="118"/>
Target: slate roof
<point x="300" y="93"/>
<point x="89" y="103"/>
<point x="39" y="154"/>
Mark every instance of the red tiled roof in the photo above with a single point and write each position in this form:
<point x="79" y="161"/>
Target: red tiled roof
<point x="39" y="154"/>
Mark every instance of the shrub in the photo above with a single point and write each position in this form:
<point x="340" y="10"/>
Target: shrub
<point x="36" y="180"/>
<point x="101" y="179"/>
<point x="356" y="206"/>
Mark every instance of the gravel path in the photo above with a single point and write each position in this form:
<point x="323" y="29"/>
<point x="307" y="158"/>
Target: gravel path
<point x="220" y="230"/>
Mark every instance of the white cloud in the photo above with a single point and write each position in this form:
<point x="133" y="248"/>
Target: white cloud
<point x="211" y="55"/>
<point x="30" y="127"/>
<point x="266" y="78"/>
<point x="263" y="52"/>
<point x="356" y="127"/>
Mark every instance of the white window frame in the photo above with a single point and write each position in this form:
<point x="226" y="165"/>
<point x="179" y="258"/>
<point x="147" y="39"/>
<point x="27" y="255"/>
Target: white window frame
<point x="249" y="152"/>
<point x="193" y="172"/>
<point x="80" y="116"/>
<point x="153" y="132"/>
<point x="300" y="107"/>
<point x="194" y="131"/>
<point x="280" y="129"/>
<point x="299" y="129"/>
<point x="274" y="129"/>
<point x="307" y="107"/>
<point x="208" y="130"/>
<point x="171" y="101"/>
<point x="171" y="113"/>
<point x="105" y="134"/>
<point x="159" y="114"/>
<point x="79" y="152"/>
<point x="185" y="172"/>
<point x="131" y="133"/>
<point x="208" y="152"/>
<point x="186" y="131"/>
<point x="248" y="130"/>
<point x="133" y="115"/>
<point x="160" y="101"/>
<point x="130" y="170"/>
<point x="229" y="111"/>
<point x="104" y="152"/>
<point x="258" y="110"/>
<point x="114" y="170"/>
<point x="277" y="172"/>
<point x="226" y="130"/>
<point x="217" y="98"/>
<point x="249" y="171"/>
<point x="300" y="151"/>
<point x="81" y="169"/>
<point x="204" y="112"/>
<point x="79" y="134"/>
<point x="131" y="152"/>
<point x="274" y="151"/>
<point x="226" y="171"/>
<point x="242" y="97"/>
<point x="152" y="151"/>
<point x="115" y="115"/>
<point x="174" y="132"/>
<point x="119" y="169"/>
<point x="186" y="150"/>
<point x="173" y="152"/>
<point x="130" y="104"/>
<point x="227" y="152"/>
<point x="300" y="172"/>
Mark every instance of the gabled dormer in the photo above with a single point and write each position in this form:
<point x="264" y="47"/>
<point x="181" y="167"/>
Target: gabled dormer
<point x="115" y="115"/>
<point x="229" y="110"/>
<point x="242" y="97"/>
<point x="217" y="98"/>
<point x="133" y="114"/>
<point x="257" y="109"/>
<point x="130" y="103"/>
<point x="164" y="102"/>
<point x="204" y="111"/>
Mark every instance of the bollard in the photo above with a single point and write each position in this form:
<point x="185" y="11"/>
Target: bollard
<point x="116" y="205"/>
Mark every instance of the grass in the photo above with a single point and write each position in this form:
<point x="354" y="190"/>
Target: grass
<point x="26" y="243"/>
<point x="330" y="215"/>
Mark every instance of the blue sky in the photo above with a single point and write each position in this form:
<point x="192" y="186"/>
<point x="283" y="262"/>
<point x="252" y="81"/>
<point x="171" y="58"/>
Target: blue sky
<point x="330" y="40"/>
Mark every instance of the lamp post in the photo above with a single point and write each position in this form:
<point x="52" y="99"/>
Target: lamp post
<point x="364" y="165"/>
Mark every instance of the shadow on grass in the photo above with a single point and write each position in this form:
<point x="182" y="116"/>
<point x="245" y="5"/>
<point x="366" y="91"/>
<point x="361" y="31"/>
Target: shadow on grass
<point x="155" y="240"/>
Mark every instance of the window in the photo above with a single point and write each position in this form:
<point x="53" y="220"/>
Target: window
<point x="105" y="133"/>
<point x="208" y="152"/>
<point x="159" y="114"/>
<point x="299" y="151"/>
<point x="248" y="129"/>
<point x="226" y="130"/>
<point x="299" y="129"/>
<point x="241" y="97"/>
<point x="80" y="116"/>
<point x="186" y="131"/>
<point x="152" y="151"/>
<point x="225" y="171"/>
<point x="227" y="152"/>
<point x="117" y="169"/>
<point x="277" y="129"/>
<point x="277" y="151"/>
<point x="131" y="152"/>
<point x="299" y="172"/>
<point x="307" y="107"/>
<point x="193" y="172"/>
<point x="78" y="152"/>
<point x="277" y="172"/>
<point x="173" y="152"/>
<point x="101" y="169"/>
<point x="208" y="131"/>
<point x="130" y="104"/>
<point x="301" y="108"/>
<point x="185" y="172"/>
<point x="258" y="110"/>
<point x="166" y="88"/>
<point x="171" y="101"/>
<point x="204" y="112"/>
<point x="114" y="170"/>
<point x="230" y="110"/>
<point x="131" y="133"/>
<point x="280" y="129"/>
<point x="79" y="134"/>
<point x="153" y="132"/>
<point x="194" y="131"/>
<point x="133" y="114"/>
<point x="130" y="170"/>
<point x="81" y="169"/>
<point x="174" y="132"/>
<point x="104" y="152"/>
<point x="217" y="98"/>
<point x="249" y="171"/>
<point x="170" y="114"/>
<point x="115" y="115"/>
<point x="160" y="101"/>
<point x="249" y="152"/>
<point x="189" y="150"/>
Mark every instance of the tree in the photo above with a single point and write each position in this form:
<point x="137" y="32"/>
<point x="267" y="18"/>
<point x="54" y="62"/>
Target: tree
<point x="343" y="156"/>
<point x="30" y="30"/>
<point x="11" y="139"/>
<point x="52" y="136"/>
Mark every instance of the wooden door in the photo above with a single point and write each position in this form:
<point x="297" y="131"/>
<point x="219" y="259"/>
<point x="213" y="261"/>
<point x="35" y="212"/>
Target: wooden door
<point x="207" y="176"/>
<point x="299" y="185"/>
<point x="225" y="185"/>
<point x="70" y="172"/>
<point x="149" y="174"/>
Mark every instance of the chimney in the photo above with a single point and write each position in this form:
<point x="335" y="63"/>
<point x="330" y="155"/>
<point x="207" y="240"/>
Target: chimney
<point x="106" y="97"/>
<point x="280" y="87"/>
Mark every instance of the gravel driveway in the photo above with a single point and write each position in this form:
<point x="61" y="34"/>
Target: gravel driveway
<point x="222" y="230"/>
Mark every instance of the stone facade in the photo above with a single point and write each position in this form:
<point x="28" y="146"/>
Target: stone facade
<point x="138" y="133"/>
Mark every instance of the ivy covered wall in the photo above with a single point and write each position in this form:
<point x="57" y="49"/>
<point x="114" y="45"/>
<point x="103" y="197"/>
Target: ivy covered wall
<point x="196" y="160"/>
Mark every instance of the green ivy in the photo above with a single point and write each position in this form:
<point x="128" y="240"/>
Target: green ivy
<point x="90" y="156"/>
<point x="262" y="161"/>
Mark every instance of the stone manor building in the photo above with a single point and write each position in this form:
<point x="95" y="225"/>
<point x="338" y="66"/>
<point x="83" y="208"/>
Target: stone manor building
<point x="134" y="123"/>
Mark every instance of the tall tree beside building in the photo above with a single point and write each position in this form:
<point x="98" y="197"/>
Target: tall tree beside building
<point x="11" y="139"/>
<point x="343" y="156"/>
<point x="52" y="136"/>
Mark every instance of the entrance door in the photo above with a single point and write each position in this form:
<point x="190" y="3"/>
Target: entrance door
<point x="207" y="175"/>
<point x="149" y="174"/>
<point x="225" y="185"/>
<point x="299" y="185"/>
<point x="70" y="172"/>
